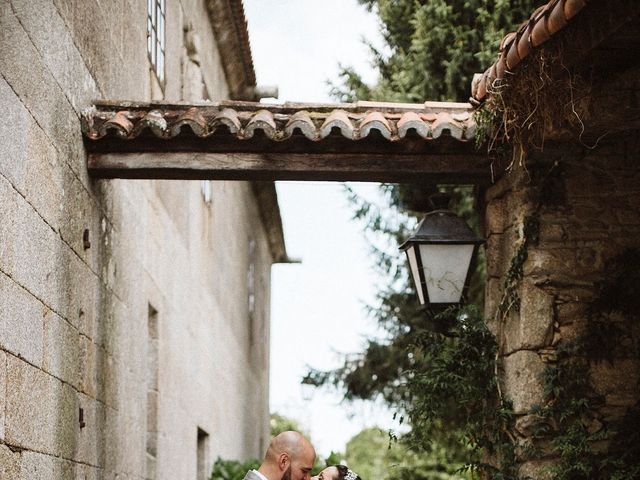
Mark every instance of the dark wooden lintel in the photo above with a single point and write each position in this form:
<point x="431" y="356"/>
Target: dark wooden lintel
<point x="397" y="168"/>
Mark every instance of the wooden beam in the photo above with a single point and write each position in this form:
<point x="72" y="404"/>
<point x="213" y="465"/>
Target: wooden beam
<point x="459" y="169"/>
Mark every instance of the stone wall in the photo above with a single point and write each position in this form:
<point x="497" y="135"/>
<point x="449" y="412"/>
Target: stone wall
<point x="127" y="340"/>
<point x="577" y="210"/>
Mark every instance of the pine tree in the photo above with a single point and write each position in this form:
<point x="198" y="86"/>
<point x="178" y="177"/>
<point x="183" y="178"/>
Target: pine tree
<point x="435" y="47"/>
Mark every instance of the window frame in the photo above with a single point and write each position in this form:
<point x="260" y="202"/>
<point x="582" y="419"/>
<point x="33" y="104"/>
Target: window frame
<point x="156" y="38"/>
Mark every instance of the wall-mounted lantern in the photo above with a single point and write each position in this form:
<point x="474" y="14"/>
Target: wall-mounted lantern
<point x="440" y="253"/>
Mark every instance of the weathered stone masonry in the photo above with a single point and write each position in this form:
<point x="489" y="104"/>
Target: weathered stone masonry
<point x="81" y="262"/>
<point x="585" y="206"/>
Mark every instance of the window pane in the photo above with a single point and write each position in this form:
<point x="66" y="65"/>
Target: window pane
<point x="445" y="271"/>
<point x="149" y="44"/>
<point x="161" y="31"/>
<point x="162" y="5"/>
<point x="149" y="7"/>
<point x="154" y="47"/>
<point x="160" y="71"/>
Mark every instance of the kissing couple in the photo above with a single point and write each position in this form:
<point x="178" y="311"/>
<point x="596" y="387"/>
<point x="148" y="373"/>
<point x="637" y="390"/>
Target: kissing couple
<point x="290" y="456"/>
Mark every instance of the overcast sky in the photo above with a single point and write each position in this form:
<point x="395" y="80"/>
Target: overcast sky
<point x="317" y="307"/>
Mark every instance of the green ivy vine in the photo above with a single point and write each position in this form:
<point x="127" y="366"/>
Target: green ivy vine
<point x="590" y="448"/>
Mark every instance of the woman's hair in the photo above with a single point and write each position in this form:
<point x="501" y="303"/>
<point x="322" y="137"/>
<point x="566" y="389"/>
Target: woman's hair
<point x="345" y="473"/>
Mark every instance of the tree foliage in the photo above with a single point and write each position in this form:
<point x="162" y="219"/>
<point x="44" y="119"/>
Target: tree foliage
<point x="443" y="385"/>
<point x="437" y="372"/>
<point x="433" y="47"/>
<point x="232" y="469"/>
<point x="280" y="423"/>
<point x="371" y="454"/>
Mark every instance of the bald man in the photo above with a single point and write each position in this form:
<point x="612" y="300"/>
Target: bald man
<point x="290" y="456"/>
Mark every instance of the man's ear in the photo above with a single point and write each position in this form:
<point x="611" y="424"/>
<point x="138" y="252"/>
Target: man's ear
<point x="284" y="462"/>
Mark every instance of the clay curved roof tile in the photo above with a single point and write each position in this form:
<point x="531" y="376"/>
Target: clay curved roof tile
<point x="446" y="123"/>
<point x="337" y="119"/>
<point x="470" y="129"/>
<point x="302" y="121"/>
<point x="501" y="67"/>
<point x="119" y="123"/>
<point x="411" y="120"/>
<point x="543" y="23"/>
<point x="375" y="121"/>
<point x="191" y="118"/>
<point x="513" y="57"/>
<point x="241" y="120"/>
<point x="429" y="117"/>
<point x="557" y="19"/>
<point x="506" y="41"/>
<point x="481" y="87"/>
<point x="261" y="120"/>
<point x="153" y="121"/>
<point x="461" y="116"/>
<point x="539" y="32"/>
<point x="229" y="118"/>
<point x="524" y="44"/>
<point x="572" y="7"/>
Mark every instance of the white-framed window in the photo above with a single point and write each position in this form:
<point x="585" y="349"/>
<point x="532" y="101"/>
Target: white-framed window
<point x="156" y="36"/>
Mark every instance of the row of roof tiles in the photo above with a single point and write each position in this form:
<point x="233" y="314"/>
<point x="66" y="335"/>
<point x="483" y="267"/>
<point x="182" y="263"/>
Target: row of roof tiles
<point x="281" y="122"/>
<point x="516" y="46"/>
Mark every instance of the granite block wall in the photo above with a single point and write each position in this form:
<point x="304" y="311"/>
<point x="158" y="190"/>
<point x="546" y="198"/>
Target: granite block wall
<point x="83" y="263"/>
<point x="578" y="211"/>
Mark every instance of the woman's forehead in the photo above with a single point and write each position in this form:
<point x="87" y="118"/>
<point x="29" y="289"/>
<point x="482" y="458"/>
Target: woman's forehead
<point x="330" y="472"/>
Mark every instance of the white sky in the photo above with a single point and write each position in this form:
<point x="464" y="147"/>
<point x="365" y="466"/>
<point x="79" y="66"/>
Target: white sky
<point x="317" y="307"/>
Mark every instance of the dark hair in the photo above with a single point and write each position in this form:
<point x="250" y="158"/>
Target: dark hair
<point x="343" y="470"/>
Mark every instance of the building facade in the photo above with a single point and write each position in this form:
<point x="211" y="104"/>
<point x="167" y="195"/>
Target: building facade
<point x="134" y="314"/>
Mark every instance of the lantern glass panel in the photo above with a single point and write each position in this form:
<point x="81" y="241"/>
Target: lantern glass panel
<point x="445" y="270"/>
<point x="413" y="264"/>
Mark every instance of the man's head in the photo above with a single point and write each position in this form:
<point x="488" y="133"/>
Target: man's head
<point x="290" y="456"/>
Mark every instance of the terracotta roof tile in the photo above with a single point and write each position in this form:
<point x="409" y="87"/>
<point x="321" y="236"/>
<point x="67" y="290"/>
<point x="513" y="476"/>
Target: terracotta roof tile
<point x="412" y="120"/>
<point x="545" y="22"/>
<point x="153" y="121"/>
<point x="228" y="118"/>
<point x="243" y="120"/>
<point x="375" y="120"/>
<point x="302" y="122"/>
<point x="261" y="120"/>
<point x="443" y="124"/>
<point x="337" y="119"/>
<point x="192" y="118"/>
